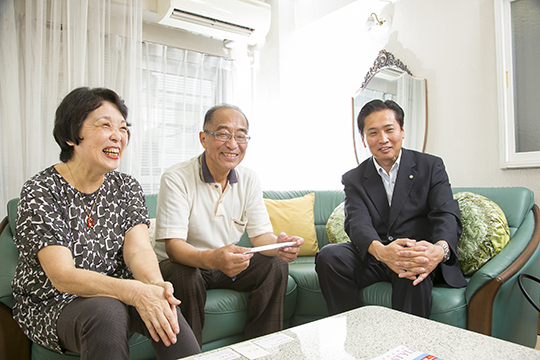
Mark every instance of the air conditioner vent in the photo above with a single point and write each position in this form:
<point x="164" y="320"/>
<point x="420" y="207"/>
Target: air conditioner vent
<point x="182" y="15"/>
<point x="240" y="20"/>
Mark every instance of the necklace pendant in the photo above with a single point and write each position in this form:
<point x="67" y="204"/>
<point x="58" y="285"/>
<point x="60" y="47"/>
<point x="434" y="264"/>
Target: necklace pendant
<point x="89" y="222"/>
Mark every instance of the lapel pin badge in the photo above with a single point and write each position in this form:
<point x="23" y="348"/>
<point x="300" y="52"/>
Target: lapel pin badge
<point x="411" y="176"/>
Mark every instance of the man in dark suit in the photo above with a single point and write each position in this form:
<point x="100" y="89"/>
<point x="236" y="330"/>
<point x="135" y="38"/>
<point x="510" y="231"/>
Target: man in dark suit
<point x="402" y="220"/>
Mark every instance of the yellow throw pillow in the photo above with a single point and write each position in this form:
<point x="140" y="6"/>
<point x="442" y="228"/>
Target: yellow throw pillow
<point x="295" y="217"/>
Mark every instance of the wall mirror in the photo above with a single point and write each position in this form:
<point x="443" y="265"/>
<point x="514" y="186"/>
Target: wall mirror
<point x="389" y="79"/>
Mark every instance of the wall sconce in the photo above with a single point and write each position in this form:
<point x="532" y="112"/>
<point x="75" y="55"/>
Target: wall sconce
<point x="374" y="23"/>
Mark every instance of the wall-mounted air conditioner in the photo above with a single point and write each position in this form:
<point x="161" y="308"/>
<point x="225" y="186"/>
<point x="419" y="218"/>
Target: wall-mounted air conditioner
<point x="240" y="20"/>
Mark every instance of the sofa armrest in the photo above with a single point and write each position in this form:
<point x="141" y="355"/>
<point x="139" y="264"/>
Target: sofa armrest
<point x="3" y="224"/>
<point x="13" y="343"/>
<point x="483" y="292"/>
<point x="9" y="257"/>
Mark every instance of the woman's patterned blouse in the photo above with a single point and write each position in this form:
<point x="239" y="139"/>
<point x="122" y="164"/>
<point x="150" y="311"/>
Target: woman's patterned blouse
<point x="50" y="212"/>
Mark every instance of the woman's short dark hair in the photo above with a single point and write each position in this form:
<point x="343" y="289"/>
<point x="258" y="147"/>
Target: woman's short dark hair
<point x="74" y="109"/>
<point x="209" y="116"/>
<point x="379" y="105"/>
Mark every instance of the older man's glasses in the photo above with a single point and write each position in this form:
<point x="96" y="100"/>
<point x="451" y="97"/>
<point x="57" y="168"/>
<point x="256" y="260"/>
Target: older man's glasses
<point x="225" y="136"/>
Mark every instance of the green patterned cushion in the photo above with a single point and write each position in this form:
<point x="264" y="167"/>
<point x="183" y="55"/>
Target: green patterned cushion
<point x="335" y="226"/>
<point x="485" y="231"/>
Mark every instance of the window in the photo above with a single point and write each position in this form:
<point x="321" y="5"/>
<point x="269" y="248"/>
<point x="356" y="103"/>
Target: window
<point x="178" y="87"/>
<point x="518" y="50"/>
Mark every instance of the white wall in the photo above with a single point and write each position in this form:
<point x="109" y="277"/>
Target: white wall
<point x="452" y="44"/>
<point x="309" y="68"/>
<point x="315" y="58"/>
<point x="301" y="119"/>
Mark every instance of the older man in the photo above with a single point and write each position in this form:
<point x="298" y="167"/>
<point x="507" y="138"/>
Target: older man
<point x="401" y="218"/>
<point x="204" y="206"/>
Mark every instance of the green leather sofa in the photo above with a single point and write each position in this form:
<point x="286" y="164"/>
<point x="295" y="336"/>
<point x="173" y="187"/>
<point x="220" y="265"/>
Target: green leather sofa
<point x="491" y="304"/>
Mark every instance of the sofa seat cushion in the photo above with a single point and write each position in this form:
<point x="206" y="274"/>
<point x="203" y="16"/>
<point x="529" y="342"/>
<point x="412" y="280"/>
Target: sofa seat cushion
<point x="310" y="301"/>
<point x="226" y="311"/>
<point x="304" y="275"/>
<point x="140" y="348"/>
<point x="303" y="260"/>
<point x="449" y="305"/>
<point x="225" y="314"/>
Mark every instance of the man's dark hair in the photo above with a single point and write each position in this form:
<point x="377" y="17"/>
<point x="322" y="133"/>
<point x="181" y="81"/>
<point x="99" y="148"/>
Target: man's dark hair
<point x="379" y="105"/>
<point x="209" y="116"/>
<point x="74" y="109"/>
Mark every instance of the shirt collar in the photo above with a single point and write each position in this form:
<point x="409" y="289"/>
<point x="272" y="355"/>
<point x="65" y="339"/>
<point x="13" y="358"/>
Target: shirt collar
<point x="207" y="177"/>
<point x="395" y="166"/>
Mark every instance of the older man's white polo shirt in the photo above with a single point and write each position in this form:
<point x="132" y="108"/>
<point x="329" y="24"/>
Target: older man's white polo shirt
<point x="193" y="207"/>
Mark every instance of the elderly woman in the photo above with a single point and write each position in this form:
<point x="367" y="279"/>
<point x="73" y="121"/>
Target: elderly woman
<point x="87" y="276"/>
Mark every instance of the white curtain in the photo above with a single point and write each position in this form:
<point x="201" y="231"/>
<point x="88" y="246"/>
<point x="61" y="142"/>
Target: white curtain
<point x="50" y="47"/>
<point x="178" y="86"/>
<point x="47" y="49"/>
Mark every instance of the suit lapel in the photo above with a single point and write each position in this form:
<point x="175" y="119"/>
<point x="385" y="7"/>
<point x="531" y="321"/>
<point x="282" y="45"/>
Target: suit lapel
<point x="404" y="182"/>
<point x="376" y="192"/>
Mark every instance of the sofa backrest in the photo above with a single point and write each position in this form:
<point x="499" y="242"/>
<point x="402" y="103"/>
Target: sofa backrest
<point x="516" y="203"/>
<point x="151" y="204"/>
<point x="325" y="202"/>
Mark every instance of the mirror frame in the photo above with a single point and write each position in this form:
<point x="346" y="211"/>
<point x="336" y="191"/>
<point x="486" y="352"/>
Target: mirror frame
<point x="384" y="60"/>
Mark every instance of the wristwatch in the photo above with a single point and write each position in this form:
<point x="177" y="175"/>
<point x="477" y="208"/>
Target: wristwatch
<point x="446" y="251"/>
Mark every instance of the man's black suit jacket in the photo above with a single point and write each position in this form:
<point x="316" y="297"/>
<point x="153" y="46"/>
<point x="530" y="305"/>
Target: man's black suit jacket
<point x="423" y="208"/>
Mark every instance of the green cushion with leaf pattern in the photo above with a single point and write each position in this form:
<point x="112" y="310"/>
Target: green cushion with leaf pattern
<point x="335" y="226"/>
<point x="485" y="231"/>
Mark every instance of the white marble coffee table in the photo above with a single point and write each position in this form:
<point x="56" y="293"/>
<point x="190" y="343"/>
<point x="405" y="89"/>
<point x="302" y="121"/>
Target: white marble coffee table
<point x="372" y="331"/>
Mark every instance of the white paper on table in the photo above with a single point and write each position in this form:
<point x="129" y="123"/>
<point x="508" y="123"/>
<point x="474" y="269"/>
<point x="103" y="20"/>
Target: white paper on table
<point x="404" y="353"/>
<point x="249" y="350"/>
<point x="273" y="340"/>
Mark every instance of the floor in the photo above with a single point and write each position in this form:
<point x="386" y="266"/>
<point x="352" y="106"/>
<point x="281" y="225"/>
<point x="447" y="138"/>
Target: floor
<point x="538" y="343"/>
